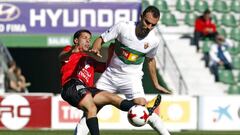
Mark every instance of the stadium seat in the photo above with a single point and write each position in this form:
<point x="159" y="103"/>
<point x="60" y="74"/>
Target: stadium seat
<point x="226" y="76"/>
<point x="183" y="6"/>
<point x="162" y="5"/>
<point x="145" y="4"/>
<point x="228" y="20"/>
<point x="238" y="47"/>
<point x="235" y="50"/>
<point x="222" y="31"/>
<point x="189" y="19"/>
<point x="220" y="6"/>
<point x="238" y="77"/>
<point x="233" y="89"/>
<point x="236" y="62"/>
<point x="215" y="20"/>
<point x="235" y="6"/>
<point x="169" y="19"/>
<point x="235" y="34"/>
<point x="200" y="6"/>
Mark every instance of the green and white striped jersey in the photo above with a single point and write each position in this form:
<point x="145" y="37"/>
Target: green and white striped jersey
<point x="130" y="51"/>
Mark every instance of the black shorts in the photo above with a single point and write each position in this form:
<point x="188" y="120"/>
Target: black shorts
<point x="74" y="91"/>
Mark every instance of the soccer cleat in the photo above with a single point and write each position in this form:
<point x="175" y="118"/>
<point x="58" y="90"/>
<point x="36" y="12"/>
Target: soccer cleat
<point x="153" y="104"/>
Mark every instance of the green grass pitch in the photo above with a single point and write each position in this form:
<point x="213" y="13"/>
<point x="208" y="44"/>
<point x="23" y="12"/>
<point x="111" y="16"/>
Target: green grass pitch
<point x="115" y="132"/>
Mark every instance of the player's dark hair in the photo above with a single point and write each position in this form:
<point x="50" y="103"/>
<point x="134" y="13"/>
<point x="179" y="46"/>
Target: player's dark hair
<point x="153" y="9"/>
<point x="79" y="32"/>
<point x="207" y="11"/>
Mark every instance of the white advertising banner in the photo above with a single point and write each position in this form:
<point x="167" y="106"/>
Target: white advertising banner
<point x="64" y="116"/>
<point x="219" y="113"/>
<point x="177" y="112"/>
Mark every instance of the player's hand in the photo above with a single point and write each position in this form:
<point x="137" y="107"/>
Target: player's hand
<point x="96" y="52"/>
<point x="163" y="90"/>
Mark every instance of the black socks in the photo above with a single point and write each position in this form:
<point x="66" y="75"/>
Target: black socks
<point x="125" y="105"/>
<point x="92" y="124"/>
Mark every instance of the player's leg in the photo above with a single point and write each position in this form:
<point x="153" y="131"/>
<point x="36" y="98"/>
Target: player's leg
<point x="105" y="82"/>
<point x="106" y="98"/>
<point x="76" y="94"/>
<point x="154" y="120"/>
<point x="81" y="128"/>
<point x="102" y="98"/>
<point x="157" y="124"/>
<point x="88" y="105"/>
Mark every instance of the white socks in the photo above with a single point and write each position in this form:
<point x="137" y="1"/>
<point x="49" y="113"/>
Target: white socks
<point x="81" y="128"/>
<point x="156" y="123"/>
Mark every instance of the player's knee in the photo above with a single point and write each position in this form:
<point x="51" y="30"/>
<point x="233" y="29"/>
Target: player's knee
<point x="91" y="110"/>
<point x="89" y="106"/>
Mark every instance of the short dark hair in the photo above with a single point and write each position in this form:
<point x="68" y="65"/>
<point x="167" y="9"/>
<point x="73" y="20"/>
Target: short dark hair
<point x="153" y="9"/>
<point x="78" y="33"/>
<point x="207" y="11"/>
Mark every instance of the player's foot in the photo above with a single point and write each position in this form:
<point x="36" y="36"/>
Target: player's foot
<point x="153" y="104"/>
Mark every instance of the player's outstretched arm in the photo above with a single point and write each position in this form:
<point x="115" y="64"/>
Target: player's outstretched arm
<point x="153" y="75"/>
<point x="97" y="45"/>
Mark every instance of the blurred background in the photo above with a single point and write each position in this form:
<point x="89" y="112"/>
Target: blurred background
<point x="33" y="32"/>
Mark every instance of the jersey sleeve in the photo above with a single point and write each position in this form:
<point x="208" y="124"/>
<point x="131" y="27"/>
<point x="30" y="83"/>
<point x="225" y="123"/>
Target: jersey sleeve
<point x="153" y="51"/>
<point x="112" y="32"/>
<point x="67" y="48"/>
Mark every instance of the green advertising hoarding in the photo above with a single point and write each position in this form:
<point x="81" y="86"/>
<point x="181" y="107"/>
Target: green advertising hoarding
<point x="40" y="40"/>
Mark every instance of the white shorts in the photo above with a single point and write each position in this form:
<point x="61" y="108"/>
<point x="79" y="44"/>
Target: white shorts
<point x="128" y="85"/>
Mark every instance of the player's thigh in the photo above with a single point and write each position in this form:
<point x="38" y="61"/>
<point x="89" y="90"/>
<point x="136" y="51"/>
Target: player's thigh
<point x="105" y="98"/>
<point x="87" y="103"/>
<point x="74" y="92"/>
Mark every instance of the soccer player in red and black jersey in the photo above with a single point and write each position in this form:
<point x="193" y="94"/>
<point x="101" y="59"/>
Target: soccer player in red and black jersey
<point x="77" y="77"/>
<point x="77" y="74"/>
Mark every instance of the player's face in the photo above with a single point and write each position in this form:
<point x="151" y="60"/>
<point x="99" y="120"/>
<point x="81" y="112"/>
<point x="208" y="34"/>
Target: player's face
<point x="220" y="40"/>
<point x="84" y="41"/>
<point x="148" y="22"/>
<point x="207" y="16"/>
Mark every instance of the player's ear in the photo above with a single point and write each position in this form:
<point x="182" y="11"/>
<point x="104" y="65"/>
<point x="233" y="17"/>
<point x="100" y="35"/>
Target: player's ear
<point x="75" y="41"/>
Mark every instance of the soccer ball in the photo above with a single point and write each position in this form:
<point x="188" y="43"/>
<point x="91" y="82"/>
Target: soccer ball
<point x="138" y="115"/>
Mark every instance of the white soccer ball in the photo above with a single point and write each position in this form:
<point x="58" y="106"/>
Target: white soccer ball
<point x="138" y="115"/>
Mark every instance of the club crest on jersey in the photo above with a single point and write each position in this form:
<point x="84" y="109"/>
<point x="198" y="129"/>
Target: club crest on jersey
<point x="87" y="66"/>
<point x="146" y="45"/>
